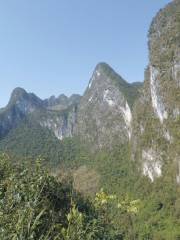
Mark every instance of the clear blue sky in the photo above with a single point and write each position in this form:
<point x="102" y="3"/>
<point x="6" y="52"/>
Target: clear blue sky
<point x="52" y="46"/>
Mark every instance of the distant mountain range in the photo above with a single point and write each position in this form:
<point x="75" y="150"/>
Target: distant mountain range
<point x="103" y="112"/>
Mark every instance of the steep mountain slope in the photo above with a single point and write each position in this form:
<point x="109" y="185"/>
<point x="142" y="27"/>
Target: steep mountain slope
<point x="29" y="140"/>
<point x="110" y="113"/>
<point x="67" y="131"/>
<point x="136" y="132"/>
<point x="101" y="117"/>
<point x="56" y="114"/>
<point x="104" y="113"/>
<point x="21" y="103"/>
<point x="61" y="122"/>
<point x="156" y="125"/>
<point x="60" y="115"/>
<point x="62" y="102"/>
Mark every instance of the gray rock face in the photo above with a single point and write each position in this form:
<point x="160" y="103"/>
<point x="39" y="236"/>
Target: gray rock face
<point x="104" y="114"/>
<point x="62" y="102"/>
<point x="56" y="114"/>
<point x="62" y="123"/>
<point x="156" y="115"/>
<point x="61" y="115"/>
<point x="111" y="112"/>
<point x="101" y="117"/>
<point x="20" y="104"/>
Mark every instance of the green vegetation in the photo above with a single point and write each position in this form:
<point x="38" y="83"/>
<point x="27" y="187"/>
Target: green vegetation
<point x="29" y="141"/>
<point x="134" y="208"/>
<point x="34" y="205"/>
<point x="130" y="91"/>
<point x="74" y="193"/>
<point x="156" y="216"/>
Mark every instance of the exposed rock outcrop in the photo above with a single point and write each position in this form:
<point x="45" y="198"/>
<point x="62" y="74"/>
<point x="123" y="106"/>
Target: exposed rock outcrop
<point x="156" y="136"/>
<point x="104" y="115"/>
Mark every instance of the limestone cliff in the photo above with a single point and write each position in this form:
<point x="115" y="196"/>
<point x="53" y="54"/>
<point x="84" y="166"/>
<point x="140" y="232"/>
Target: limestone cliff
<point x="104" y="115"/>
<point x="156" y="125"/>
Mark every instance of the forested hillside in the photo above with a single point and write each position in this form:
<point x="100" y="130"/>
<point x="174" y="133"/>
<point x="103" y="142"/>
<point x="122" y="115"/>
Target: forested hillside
<point x="36" y="205"/>
<point x="101" y="166"/>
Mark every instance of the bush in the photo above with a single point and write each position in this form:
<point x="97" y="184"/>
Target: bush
<point x="34" y="205"/>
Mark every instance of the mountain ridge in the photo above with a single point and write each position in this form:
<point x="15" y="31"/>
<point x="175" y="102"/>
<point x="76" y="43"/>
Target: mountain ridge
<point x="60" y="114"/>
<point x="113" y="112"/>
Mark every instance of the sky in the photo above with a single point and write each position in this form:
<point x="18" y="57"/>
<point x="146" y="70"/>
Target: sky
<point x="51" y="47"/>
